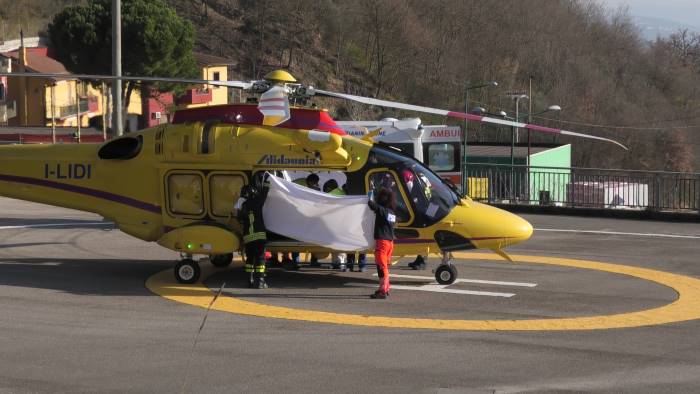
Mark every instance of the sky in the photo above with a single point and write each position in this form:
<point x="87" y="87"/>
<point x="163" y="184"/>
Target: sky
<point x="681" y="11"/>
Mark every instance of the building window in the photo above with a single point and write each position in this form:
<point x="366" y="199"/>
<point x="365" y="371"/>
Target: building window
<point x="216" y="76"/>
<point x="2" y="92"/>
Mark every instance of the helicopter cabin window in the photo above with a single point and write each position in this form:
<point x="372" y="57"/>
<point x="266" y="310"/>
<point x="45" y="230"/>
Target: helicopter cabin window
<point x="224" y="190"/>
<point x="185" y="194"/>
<point x="332" y="182"/>
<point x="441" y="157"/>
<point x="206" y="139"/>
<point x="386" y="179"/>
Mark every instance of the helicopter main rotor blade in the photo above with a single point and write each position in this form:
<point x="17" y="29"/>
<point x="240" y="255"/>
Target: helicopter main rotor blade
<point x="231" y="84"/>
<point x="461" y="115"/>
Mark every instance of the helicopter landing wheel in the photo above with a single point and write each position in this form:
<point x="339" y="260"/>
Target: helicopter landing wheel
<point x="221" y="260"/>
<point x="446" y="274"/>
<point x="187" y="271"/>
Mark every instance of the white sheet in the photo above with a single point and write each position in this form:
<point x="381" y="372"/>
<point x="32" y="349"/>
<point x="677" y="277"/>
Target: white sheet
<point x="343" y="223"/>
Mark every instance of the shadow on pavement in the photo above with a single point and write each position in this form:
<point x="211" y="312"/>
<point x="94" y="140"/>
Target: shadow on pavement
<point x="108" y="277"/>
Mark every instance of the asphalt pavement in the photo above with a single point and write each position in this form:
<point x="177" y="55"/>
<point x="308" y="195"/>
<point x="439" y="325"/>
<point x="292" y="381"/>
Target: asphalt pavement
<point x="76" y="315"/>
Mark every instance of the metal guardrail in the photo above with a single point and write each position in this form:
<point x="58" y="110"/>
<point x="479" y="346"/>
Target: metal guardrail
<point x="584" y="187"/>
<point x="70" y="110"/>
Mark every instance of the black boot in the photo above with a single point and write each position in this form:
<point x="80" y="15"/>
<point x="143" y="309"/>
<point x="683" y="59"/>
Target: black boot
<point x="418" y="264"/>
<point x="260" y="282"/>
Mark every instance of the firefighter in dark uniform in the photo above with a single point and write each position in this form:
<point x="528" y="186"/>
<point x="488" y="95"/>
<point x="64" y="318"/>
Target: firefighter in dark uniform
<point x="251" y="217"/>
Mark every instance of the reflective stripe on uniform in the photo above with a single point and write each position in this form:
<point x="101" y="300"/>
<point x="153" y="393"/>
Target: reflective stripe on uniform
<point x="254" y="237"/>
<point x="249" y="268"/>
<point x="260" y="268"/>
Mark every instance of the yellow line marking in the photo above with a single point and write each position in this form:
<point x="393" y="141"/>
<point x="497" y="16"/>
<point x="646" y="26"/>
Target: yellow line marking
<point x="686" y="307"/>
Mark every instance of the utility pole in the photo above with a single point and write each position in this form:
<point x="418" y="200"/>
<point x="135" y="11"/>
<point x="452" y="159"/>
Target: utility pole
<point x="22" y="63"/>
<point x="529" y="121"/>
<point x="463" y="170"/>
<point x="53" y="112"/>
<point x="103" y="104"/>
<point x="117" y="124"/>
<point x="78" y="118"/>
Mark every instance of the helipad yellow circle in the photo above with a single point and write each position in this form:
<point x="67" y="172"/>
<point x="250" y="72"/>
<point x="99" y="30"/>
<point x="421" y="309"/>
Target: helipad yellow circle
<point x="686" y="307"/>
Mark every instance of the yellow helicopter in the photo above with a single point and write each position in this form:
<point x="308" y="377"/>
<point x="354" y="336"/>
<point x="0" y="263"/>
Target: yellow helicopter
<point x="176" y="184"/>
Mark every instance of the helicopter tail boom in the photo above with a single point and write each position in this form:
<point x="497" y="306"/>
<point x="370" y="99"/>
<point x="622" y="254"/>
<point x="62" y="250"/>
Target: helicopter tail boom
<point x="72" y="176"/>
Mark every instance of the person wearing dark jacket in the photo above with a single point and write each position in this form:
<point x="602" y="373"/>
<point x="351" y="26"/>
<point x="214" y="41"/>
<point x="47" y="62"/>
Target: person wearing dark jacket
<point x="384" y="225"/>
<point x="250" y="215"/>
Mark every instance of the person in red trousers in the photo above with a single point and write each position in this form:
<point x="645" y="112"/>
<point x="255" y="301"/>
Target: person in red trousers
<point x="384" y="225"/>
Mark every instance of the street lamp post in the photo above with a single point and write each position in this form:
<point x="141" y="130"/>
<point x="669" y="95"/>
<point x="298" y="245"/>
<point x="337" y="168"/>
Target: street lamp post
<point x="467" y="88"/>
<point x="514" y="137"/>
<point x="517" y="98"/>
<point x="551" y="108"/>
<point x="514" y="134"/>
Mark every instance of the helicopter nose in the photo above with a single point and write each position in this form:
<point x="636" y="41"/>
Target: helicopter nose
<point x="489" y="227"/>
<point x="517" y="229"/>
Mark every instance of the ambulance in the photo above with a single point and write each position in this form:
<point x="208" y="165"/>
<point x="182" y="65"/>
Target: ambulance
<point x="437" y="146"/>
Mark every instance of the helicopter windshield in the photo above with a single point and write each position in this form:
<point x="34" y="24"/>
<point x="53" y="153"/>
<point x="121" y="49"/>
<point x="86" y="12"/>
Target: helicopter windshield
<point x="428" y="194"/>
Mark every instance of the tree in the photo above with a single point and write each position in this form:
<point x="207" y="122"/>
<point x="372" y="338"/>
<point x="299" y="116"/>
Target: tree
<point x="156" y="42"/>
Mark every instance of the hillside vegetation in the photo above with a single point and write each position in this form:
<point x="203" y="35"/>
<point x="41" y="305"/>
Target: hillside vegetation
<point x="590" y="61"/>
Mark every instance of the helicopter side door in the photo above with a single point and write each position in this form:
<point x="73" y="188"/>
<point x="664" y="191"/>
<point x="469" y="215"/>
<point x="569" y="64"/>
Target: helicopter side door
<point x="224" y="190"/>
<point x="378" y="178"/>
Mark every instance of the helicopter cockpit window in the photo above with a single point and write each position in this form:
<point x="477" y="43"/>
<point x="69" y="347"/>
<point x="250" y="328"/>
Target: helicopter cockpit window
<point x="386" y="179"/>
<point x="436" y="199"/>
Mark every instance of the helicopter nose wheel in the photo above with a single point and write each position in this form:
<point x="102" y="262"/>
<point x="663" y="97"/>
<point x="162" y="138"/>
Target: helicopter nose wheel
<point x="221" y="260"/>
<point x="446" y="272"/>
<point x="187" y="271"/>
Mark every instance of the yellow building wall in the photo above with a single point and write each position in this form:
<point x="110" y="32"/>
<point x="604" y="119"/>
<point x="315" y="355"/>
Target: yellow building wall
<point x="64" y="92"/>
<point x="219" y="94"/>
<point x="35" y="104"/>
<point x="135" y="107"/>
